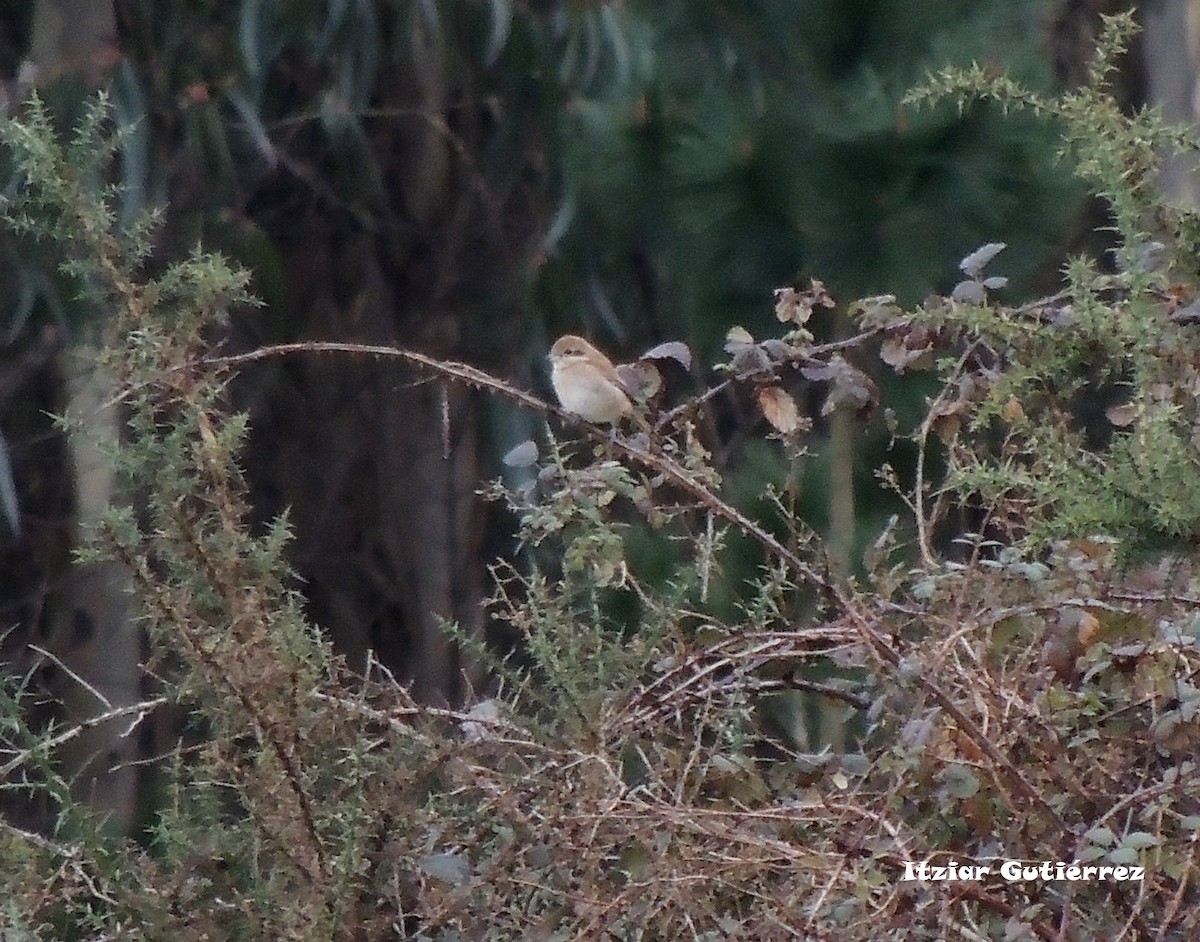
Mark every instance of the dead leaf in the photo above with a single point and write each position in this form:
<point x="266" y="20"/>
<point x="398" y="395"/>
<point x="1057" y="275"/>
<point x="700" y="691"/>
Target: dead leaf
<point x="1087" y="628"/>
<point x="1122" y="415"/>
<point x="851" y="387"/>
<point x="879" y="311"/>
<point x="947" y="425"/>
<point x="910" y="350"/>
<point x="948" y="418"/>
<point x="1013" y="412"/>
<point x="736" y="338"/>
<point x="788" y="306"/>
<point x="641" y="380"/>
<point x="797" y="306"/>
<point x="779" y="409"/>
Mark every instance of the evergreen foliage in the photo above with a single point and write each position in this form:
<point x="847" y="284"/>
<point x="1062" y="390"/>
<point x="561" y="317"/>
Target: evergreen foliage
<point x="744" y="150"/>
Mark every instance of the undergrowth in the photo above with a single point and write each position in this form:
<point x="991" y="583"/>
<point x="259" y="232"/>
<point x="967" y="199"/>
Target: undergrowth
<point x="1024" y="691"/>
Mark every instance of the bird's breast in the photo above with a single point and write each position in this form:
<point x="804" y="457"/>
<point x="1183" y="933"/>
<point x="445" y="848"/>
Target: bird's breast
<point x="585" y="392"/>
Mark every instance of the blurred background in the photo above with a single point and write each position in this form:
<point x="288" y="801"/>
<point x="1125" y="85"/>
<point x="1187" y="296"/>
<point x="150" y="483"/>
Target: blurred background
<point x="471" y="178"/>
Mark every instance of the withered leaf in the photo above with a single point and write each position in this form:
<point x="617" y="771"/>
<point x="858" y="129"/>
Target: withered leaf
<point x="948" y="416"/>
<point x="879" y="311"/>
<point x="736" y="338"/>
<point x="797" y="306"/>
<point x="1087" y="628"/>
<point x="788" y="306"/>
<point x="1013" y="412"/>
<point x="911" y="350"/>
<point x="779" y="409"/>
<point x="641" y="379"/>
<point x="1122" y="415"/>
<point x="947" y="426"/>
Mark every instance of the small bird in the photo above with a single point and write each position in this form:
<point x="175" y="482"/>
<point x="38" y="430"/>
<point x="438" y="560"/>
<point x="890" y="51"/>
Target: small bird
<point x="588" y="385"/>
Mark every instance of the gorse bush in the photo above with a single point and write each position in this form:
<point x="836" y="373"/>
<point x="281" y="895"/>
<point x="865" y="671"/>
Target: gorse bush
<point x="1089" y="392"/>
<point x="1020" y="692"/>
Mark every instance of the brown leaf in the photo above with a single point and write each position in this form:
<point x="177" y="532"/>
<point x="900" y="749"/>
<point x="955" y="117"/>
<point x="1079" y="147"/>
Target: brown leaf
<point x="879" y="311"/>
<point x="788" y="306"/>
<point x="910" y="350"/>
<point x="1122" y="415"/>
<point x="779" y="408"/>
<point x="1087" y="628"/>
<point x="948" y="418"/>
<point x="1013" y="412"/>
<point x="947" y="425"/>
<point x="641" y="379"/>
<point x="797" y="306"/>
<point x="1060" y="653"/>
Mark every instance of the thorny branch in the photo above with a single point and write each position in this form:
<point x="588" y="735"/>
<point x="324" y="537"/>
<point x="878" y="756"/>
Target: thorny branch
<point x="139" y="711"/>
<point x="647" y="457"/>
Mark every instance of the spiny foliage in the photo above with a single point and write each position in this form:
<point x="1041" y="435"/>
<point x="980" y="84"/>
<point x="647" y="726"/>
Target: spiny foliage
<point x="1081" y="405"/>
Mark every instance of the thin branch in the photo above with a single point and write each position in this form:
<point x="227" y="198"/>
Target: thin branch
<point x="810" y="356"/>
<point x="60" y="850"/>
<point x="479" y="379"/>
<point x="58" y="662"/>
<point x="139" y="711"/>
<point x="932" y="414"/>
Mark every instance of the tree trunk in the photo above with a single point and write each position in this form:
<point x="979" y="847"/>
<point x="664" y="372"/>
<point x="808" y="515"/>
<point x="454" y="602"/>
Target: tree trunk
<point x="93" y="633"/>
<point x="1171" y="61"/>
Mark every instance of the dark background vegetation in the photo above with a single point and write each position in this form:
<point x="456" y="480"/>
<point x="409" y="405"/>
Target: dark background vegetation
<point x="688" y="736"/>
